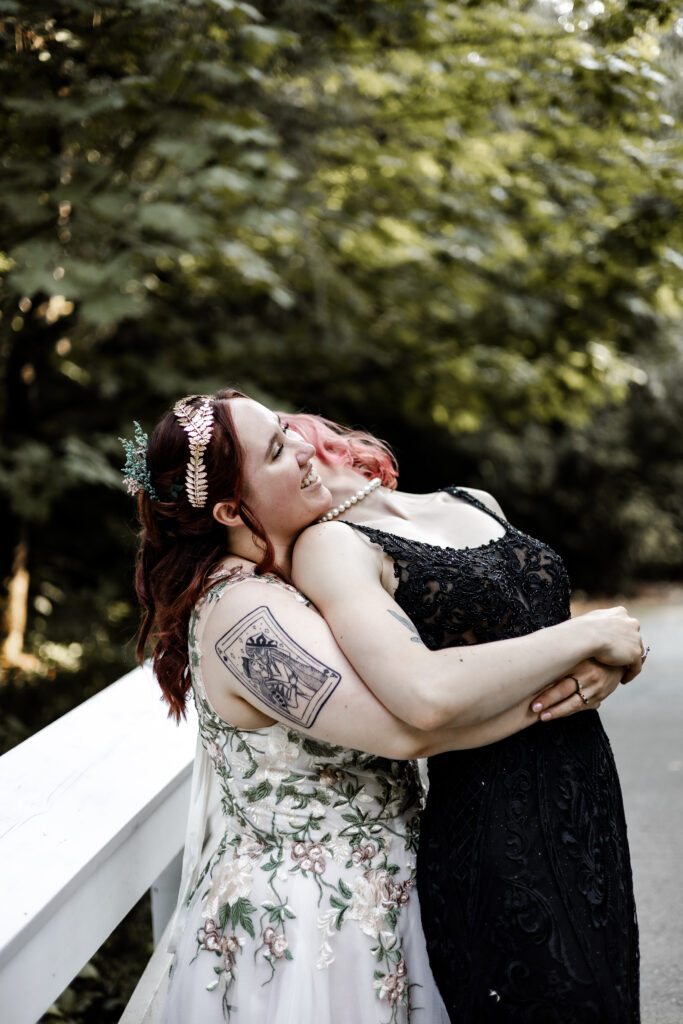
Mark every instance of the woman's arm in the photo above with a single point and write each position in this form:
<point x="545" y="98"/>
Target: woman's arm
<point x="266" y="657"/>
<point x="341" y="572"/>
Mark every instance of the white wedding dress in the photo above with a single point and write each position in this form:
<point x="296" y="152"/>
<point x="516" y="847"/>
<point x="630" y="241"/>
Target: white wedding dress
<point x="306" y="912"/>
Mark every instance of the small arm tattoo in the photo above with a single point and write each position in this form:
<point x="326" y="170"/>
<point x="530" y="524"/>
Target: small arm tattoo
<point x="416" y="639"/>
<point x="265" y="659"/>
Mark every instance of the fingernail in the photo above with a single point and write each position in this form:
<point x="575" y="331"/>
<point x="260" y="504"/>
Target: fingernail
<point x="546" y="716"/>
<point x="537" y="706"/>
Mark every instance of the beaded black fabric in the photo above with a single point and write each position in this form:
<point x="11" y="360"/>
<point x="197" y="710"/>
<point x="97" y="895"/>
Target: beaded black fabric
<point x="523" y="870"/>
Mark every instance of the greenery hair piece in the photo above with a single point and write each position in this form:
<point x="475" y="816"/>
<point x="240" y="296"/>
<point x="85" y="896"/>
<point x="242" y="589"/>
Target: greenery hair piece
<point x="136" y="472"/>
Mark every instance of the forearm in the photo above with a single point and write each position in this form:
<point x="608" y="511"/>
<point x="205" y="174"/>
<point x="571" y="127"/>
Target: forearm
<point x="457" y="686"/>
<point x="471" y="736"/>
<point x="463" y="686"/>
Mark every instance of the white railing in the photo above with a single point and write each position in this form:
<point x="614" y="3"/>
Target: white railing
<point x="92" y="815"/>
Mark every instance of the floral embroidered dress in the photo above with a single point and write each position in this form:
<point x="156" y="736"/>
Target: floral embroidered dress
<point x="306" y="911"/>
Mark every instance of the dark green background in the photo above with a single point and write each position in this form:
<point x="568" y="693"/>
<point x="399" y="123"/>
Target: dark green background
<point x="456" y="224"/>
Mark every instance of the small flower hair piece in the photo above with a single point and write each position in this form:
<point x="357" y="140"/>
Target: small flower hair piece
<point x="135" y="472"/>
<point x="198" y="425"/>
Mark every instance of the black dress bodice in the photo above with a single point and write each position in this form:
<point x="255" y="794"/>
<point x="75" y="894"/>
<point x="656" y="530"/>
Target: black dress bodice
<point x="523" y="870"/>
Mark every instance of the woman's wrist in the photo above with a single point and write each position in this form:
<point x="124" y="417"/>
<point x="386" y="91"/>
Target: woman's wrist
<point x="586" y="636"/>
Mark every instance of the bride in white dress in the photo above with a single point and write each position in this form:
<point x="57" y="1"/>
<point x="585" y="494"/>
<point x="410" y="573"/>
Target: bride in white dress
<point x="307" y="910"/>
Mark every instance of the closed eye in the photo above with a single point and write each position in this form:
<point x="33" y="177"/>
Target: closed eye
<point x="284" y="427"/>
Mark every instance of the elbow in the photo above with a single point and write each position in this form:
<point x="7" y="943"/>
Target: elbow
<point x="409" y="745"/>
<point x="430" y="715"/>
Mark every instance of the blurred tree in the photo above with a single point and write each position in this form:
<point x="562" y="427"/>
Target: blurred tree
<point x="606" y="494"/>
<point x="435" y="218"/>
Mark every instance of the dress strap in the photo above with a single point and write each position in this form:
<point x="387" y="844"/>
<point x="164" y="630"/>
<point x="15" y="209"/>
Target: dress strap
<point x="391" y="543"/>
<point x="459" y="492"/>
<point x="223" y="577"/>
<point x="204" y="792"/>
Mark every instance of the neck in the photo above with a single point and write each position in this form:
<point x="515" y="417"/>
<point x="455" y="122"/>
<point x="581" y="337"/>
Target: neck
<point x="344" y="483"/>
<point x="242" y="544"/>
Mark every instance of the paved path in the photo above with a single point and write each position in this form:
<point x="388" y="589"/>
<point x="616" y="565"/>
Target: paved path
<point x="644" y="721"/>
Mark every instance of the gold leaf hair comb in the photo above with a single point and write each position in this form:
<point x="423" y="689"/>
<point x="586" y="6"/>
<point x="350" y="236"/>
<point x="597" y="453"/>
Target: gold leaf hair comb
<point x="198" y="425"/>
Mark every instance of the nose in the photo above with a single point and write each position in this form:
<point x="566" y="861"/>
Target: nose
<point x="305" y="451"/>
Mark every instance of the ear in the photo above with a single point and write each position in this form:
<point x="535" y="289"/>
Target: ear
<point x="225" y="512"/>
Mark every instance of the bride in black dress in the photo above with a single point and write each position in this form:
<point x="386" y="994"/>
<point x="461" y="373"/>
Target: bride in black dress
<point x="524" y="875"/>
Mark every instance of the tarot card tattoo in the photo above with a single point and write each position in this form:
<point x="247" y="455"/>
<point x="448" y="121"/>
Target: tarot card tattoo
<point x="265" y="659"/>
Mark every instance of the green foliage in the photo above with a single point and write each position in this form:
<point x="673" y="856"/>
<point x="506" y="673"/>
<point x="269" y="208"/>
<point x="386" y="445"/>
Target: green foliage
<point x="465" y="195"/>
<point x="443" y="220"/>
<point x="608" y="494"/>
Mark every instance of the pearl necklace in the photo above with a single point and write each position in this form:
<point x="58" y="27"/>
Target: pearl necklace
<point x="358" y="496"/>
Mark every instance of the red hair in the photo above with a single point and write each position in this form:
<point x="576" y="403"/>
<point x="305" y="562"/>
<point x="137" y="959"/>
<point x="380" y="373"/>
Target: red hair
<point x="180" y="546"/>
<point x="338" y="445"/>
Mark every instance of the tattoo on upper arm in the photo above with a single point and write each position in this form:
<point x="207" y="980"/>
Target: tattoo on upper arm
<point x="265" y="659"/>
<point x="416" y="639"/>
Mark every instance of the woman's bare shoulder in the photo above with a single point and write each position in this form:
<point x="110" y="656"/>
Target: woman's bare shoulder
<point x="325" y="537"/>
<point x="243" y="592"/>
<point x="486" y="499"/>
<point x="327" y="551"/>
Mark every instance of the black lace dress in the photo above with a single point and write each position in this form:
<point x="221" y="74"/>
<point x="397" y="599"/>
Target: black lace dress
<point x="523" y="869"/>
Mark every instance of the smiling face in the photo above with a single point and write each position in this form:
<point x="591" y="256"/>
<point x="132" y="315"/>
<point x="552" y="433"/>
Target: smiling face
<point x="281" y="484"/>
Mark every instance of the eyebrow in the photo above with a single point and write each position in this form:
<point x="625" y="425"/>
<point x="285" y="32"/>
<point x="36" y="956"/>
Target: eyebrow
<point x="274" y="437"/>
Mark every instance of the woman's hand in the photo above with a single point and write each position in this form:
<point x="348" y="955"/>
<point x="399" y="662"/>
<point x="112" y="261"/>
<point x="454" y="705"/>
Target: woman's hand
<point x="617" y="639"/>
<point x="582" y="689"/>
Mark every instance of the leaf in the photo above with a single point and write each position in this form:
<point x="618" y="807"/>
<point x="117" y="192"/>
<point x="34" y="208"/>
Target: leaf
<point x="87" y="463"/>
<point x="224" y="178"/>
<point x="107" y="310"/>
<point x="259" y="792"/>
<point x="171" y="219"/>
<point x="240" y="914"/>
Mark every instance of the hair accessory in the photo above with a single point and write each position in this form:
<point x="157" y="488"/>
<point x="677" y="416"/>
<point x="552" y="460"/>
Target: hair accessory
<point x="353" y="500"/>
<point x="198" y="425"/>
<point x="177" y="487"/>
<point x="135" y="472"/>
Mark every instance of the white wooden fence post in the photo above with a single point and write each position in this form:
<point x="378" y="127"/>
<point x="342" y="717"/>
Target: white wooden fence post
<point x="165" y="896"/>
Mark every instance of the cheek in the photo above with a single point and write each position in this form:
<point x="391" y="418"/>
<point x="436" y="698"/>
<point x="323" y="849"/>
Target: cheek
<point x="273" y="501"/>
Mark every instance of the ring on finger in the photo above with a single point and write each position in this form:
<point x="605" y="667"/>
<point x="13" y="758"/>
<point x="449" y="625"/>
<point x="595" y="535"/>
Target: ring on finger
<point x="579" y="690"/>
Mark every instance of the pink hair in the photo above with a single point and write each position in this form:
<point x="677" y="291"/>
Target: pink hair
<point x="339" y="445"/>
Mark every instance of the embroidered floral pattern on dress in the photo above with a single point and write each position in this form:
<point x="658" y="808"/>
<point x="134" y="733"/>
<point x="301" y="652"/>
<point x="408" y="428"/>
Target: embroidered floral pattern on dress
<point x="300" y="812"/>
